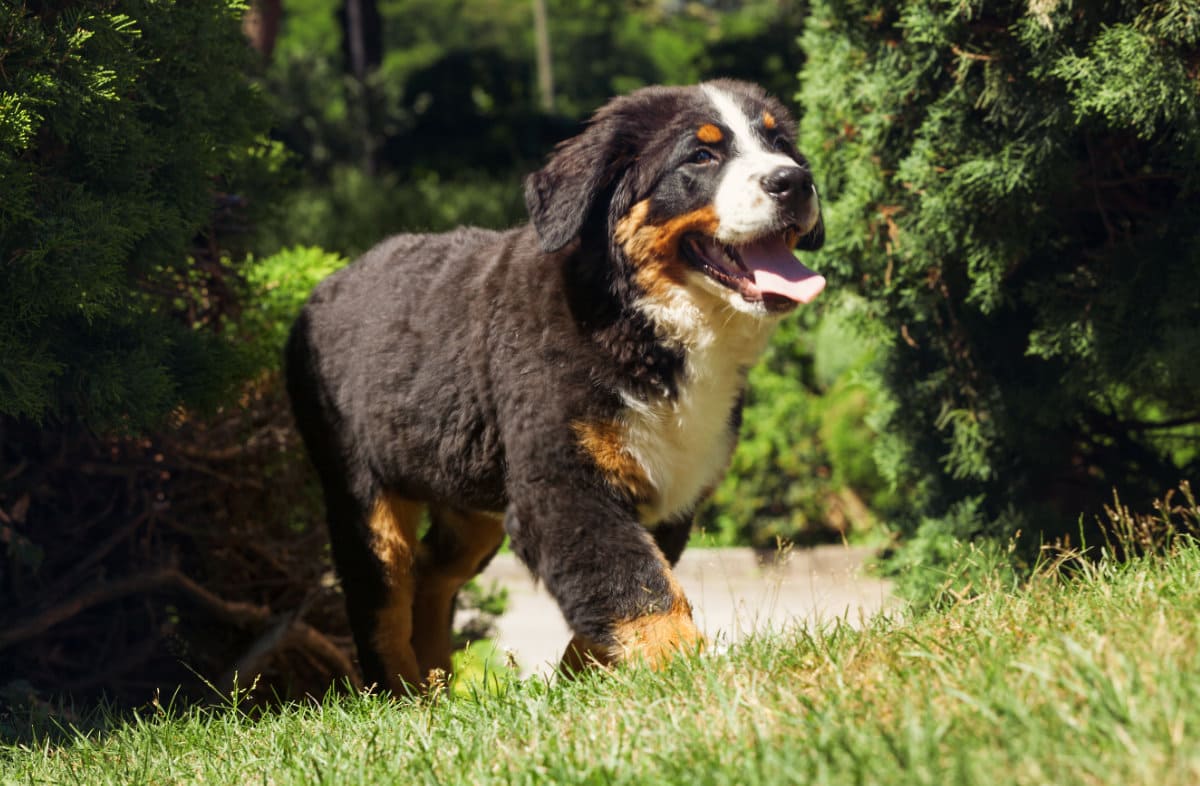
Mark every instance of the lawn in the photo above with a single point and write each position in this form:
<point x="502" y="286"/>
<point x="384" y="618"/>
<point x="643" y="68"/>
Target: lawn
<point x="1088" y="679"/>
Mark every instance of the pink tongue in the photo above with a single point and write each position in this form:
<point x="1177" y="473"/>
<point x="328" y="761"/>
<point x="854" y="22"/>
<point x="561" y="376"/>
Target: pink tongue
<point x="777" y="271"/>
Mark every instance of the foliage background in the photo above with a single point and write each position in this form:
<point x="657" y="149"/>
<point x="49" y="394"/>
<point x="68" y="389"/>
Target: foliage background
<point x="113" y="147"/>
<point x="1015" y="194"/>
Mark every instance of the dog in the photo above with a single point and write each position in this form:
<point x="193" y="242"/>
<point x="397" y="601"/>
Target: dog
<point x="575" y="383"/>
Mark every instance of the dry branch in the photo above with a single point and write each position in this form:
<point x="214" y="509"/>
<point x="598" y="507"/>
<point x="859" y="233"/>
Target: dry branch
<point x="333" y="656"/>
<point x="231" y="611"/>
<point x="120" y="531"/>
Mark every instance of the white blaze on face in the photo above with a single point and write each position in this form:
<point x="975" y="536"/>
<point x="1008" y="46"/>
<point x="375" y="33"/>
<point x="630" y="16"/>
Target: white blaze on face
<point x="744" y="209"/>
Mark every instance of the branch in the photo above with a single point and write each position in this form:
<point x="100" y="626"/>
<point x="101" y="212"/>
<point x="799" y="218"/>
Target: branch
<point x="94" y="556"/>
<point x="335" y="658"/>
<point x="262" y="646"/>
<point x="1108" y="227"/>
<point x="1146" y="425"/>
<point x="243" y="481"/>
<point x="15" y="471"/>
<point x="287" y="630"/>
<point x="971" y="55"/>
<point x="232" y="612"/>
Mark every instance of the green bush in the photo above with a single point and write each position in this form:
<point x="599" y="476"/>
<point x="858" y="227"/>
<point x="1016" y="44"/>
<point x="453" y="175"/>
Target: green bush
<point x="116" y="121"/>
<point x="1012" y="188"/>
<point x="354" y="211"/>
<point x="279" y="286"/>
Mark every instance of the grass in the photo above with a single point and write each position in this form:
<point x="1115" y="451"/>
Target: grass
<point x="1092" y="679"/>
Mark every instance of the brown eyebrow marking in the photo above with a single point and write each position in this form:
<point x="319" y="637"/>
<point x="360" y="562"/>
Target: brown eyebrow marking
<point x="709" y="134"/>
<point x="768" y="120"/>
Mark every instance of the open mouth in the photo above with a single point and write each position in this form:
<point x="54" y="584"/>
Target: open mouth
<point x="761" y="271"/>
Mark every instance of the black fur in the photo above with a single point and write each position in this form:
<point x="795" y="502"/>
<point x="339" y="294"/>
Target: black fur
<point x="451" y="368"/>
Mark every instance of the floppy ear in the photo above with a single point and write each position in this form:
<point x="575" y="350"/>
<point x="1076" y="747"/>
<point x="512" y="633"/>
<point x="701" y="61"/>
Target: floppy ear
<point x="562" y="194"/>
<point x="815" y="237"/>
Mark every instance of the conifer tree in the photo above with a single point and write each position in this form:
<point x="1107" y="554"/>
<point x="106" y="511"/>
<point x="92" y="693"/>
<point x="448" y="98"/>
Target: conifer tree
<point x="1012" y="186"/>
<point x="116" y="119"/>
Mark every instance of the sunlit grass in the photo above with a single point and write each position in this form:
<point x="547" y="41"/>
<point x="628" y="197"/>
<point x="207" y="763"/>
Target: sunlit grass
<point x="483" y="667"/>
<point x="1095" y="679"/>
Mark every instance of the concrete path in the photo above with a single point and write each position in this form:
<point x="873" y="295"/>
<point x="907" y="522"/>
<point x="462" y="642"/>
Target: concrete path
<point x="732" y="595"/>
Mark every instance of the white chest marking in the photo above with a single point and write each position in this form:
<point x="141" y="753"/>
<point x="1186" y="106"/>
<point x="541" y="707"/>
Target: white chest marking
<point x="683" y="444"/>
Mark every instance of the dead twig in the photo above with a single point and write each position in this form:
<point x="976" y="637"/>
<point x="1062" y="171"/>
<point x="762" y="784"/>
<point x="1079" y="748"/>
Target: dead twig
<point x="335" y="658"/>
<point x="229" y="480"/>
<point x="265" y="644"/>
<point x="232" y="612"/>
<point x="15" y="471"/>
<point x="289" y="630"/>
<point x="94" y="556"/>
<point x="972" y="55"/>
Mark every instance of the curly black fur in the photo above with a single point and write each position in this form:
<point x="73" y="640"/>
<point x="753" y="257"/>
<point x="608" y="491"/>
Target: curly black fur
<point x="450" y="368"/>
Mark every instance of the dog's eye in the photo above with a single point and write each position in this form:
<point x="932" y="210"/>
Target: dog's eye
<point x="782" y="145"/>
<point x="702" y="156"/>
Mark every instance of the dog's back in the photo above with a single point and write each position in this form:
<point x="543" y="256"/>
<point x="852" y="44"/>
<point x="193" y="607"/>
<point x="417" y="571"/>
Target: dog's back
<point x="402" y="331"/>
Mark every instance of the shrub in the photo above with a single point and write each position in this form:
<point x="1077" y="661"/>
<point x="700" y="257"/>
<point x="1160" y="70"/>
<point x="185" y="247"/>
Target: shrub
<point x="116" y="122"/>
<point x="278" y="286"/>
<point x="1012" y="188"/>
<point x="355" y="211"/>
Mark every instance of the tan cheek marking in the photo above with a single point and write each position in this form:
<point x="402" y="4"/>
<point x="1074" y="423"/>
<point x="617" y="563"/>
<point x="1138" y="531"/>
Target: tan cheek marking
<point x="709" y="134"/>
<point x="768" y="120"/>
<point x="654" y="248"/>
<point x="602" y="441"/>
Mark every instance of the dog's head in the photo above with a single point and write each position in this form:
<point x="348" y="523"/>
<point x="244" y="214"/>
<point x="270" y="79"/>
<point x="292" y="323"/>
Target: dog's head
<point x="697" y="190"/>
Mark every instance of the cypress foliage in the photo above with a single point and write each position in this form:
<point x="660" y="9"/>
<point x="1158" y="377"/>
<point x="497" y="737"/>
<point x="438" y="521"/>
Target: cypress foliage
<point x="1013" y="188"/>
<point x="116" y="121"/>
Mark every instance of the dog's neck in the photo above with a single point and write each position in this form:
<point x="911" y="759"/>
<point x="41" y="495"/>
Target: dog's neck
<point x="659" y="343"/>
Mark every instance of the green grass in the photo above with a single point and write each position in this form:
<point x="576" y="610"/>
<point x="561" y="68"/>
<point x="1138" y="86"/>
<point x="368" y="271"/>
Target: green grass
<point x="1095" y="679"/>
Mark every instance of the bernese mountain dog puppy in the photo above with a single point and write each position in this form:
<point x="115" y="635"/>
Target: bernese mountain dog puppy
<point x="575" y="383"/>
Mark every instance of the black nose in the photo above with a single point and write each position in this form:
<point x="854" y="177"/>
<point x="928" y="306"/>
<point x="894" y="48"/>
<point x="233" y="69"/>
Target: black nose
<point x="787" y="181"/>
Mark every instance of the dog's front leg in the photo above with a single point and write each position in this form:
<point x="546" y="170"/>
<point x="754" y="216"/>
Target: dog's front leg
<point x="610" y="579"/>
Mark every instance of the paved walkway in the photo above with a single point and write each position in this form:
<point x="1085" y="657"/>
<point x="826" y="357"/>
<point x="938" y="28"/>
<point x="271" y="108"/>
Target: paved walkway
<point x="732" y="594"/>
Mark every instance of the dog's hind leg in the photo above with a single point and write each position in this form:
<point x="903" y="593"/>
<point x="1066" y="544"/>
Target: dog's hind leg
<point x="373" y="533"/>
<point x="375" y="549"/>
<point x="388" y="616"/>
<point x="457" y="546"/>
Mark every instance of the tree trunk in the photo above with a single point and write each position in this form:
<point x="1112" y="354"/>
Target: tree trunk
<point x="545" y="69"/>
